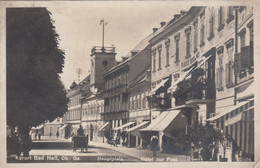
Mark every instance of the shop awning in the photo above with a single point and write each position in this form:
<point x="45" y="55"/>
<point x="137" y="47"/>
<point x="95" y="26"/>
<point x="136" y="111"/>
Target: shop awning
<point x="123" y="126"/>
<point x="103" y="128"/>
<point x="227" y="110"/>
<point x="245" y="91"/>
<point x="162" y="121"/>
<point x="135" y="130"/>
<point x="161" y="84"/>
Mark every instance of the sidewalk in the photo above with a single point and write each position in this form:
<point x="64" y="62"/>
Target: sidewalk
<point x="143" y="154"/>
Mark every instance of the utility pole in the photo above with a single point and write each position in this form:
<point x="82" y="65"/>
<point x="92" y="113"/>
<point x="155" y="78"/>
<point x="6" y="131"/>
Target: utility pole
<point x="236" y="34"/>
<point x="103" y="33"/>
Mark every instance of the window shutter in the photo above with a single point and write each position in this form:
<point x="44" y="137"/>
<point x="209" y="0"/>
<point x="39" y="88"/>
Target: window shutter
<point x="244" y="57"/>
<point x="251" y="54"/>
<point x="227" y="73"/>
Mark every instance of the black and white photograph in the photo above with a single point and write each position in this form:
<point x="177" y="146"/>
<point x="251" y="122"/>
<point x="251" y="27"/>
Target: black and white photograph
<point x="142" y="82"/>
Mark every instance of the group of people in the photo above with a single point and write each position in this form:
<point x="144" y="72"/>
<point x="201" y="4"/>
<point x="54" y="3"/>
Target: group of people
<point x="36" y="135"/>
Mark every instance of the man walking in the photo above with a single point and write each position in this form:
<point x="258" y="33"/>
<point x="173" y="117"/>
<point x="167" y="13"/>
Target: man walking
<point x="154" y="144"/>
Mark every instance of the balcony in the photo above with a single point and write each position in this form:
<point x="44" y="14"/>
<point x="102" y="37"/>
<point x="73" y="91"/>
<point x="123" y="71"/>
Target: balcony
<point x="192" y="91"/>
<point x="244" y="62"/>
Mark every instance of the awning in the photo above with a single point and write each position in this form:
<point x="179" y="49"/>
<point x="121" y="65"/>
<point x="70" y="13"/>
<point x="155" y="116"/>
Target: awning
<point x="123" y="126"/>
<point x="227" y="110"/>
<point x="64" y="126"/>
<point x="135" y="130"/>
<point x="245" y="91"/>
<point x="161" y="84"/>
<point x="233" y="120"/>
<point x="162" y="121"/>
<point x="106" y="125"/>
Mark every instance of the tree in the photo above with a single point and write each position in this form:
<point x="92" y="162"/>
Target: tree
<point x="34" y="61"/>
<point x="207" y="137"/>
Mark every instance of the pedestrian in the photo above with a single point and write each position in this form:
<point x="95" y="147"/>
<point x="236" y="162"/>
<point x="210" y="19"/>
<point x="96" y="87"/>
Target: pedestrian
<point x="154" y="144"/>
<point x="57" y="134"/>
<point x="39" y="136"/>
<point x="80" y="131"/>
<point x="115" y="139"/>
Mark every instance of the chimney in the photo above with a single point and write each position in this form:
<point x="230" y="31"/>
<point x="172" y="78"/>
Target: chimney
<point x="183" y="12"/>
<point x="176" y="16"/>
<point x="154" y="30"/>
<point x="124" y="58"/>
<point x="162" y="24"/>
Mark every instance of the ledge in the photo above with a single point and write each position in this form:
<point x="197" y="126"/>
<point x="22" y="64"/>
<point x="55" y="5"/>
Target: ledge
<point x="199" y="101"/>
<point x="220" y="88"/>
<point x="229" y="85"/>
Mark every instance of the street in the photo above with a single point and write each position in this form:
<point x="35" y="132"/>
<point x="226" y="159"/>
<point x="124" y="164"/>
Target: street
<point x="60" y="150"/>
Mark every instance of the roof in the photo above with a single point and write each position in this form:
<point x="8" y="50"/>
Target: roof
<point x="140" y="47"/>
<point x="142" y="44"/>
<point x="142" y="77"/>
<point x="173" y="21"/>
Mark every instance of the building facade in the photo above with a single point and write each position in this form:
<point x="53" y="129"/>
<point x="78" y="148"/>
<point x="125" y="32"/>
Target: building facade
<point x="235" y="81"/>
<point x="139" y="111"/>
<point x="116" y="96"/>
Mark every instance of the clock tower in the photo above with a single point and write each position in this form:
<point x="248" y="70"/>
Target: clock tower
<point x="102" y="59"/>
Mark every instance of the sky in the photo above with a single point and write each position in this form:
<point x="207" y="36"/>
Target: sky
<point x="77" y="24"/>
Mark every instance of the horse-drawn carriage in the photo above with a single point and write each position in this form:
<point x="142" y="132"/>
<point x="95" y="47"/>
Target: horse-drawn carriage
<point x="80" y="142"/>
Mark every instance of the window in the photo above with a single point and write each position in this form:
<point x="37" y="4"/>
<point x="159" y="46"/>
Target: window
<point x="220" y="69"/>
<point x="188" y="39"/>
<point x="144" y="103"/>
<point x="251" y="38"/>
<point x="187" y="45"/>
<point x="154" y="60"/>
<point x="195" y="36"/>
<point x="167" y="45"/>
<point x="229" y="74"/>
<point x="220" y="19"/>
<point x="202" y="31"/>
<point x="211" y="27"/>
<point x="159" y="57"/>
<point x="230" y="15"/>
<point x="243" y="40"/>
<point x="177" y="41"/>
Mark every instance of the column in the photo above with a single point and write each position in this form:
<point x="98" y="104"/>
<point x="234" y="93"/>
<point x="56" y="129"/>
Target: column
<point x="120" y="139"/>
<point x="160" y="140"/>
<point x="136" y="141"/>
<point x="113" y="123"/>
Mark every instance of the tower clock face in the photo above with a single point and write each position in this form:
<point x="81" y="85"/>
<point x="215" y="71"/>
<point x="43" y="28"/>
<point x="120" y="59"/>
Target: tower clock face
<point x="105" y="63"/>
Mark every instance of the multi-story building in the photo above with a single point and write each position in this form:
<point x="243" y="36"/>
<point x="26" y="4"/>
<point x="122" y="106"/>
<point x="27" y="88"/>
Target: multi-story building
<point x="116" y="99"/>
<point x="86" y="100"/>
<point x="204" y="59"/>
<point x="139" y="111"/>
<point x="235" y="80"/>
<point x="181" y="50"/>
